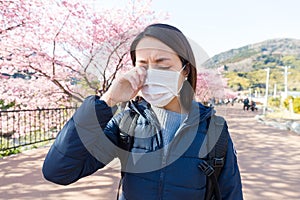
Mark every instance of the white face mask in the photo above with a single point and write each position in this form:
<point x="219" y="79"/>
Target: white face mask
<point x="160" y="86"/>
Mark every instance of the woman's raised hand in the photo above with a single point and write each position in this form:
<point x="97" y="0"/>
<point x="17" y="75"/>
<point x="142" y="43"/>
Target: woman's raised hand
<point x="125" y="86"/>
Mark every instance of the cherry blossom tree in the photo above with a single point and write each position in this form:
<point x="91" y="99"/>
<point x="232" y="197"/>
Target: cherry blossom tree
<point x="55" y="51"/>
<point x="211" y="84"/>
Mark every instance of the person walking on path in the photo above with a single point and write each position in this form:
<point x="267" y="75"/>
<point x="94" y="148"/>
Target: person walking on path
<point x="159" y="139"/>
<point x="246" y="104"/>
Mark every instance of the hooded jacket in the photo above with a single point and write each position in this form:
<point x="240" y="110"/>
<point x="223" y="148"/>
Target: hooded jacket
<point x="151" y="170"/>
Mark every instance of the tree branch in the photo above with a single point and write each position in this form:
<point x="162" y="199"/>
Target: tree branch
<point x="11" y="28"/>
<point x="54" y="43"/>
<point x="57" y="83"/>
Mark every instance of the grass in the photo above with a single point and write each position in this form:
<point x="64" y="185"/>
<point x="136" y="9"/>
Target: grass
<point x="8" y="152"/>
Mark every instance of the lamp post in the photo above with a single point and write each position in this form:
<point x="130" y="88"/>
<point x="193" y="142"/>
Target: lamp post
<point x="285" y="93"/>
<point x="286" y="81"/>
<point x="275" y="90"/>
<point x="267" y="91"/>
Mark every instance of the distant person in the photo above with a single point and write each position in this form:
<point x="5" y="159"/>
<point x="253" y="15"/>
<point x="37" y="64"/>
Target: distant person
<point x="212" y="102"/>
<point x="230" y="100"/>
<point x="226" y="101"/>
<point x="246" y="104"/>
<point x="233" y="100"/>
<point x="253" y="106"/>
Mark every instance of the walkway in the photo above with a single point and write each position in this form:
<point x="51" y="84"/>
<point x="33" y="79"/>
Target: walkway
<point x="269" y="158"/>
<point x="269" y="162"/>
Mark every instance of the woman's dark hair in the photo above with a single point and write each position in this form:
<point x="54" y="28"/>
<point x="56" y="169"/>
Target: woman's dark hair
<point x="175" y="39"/>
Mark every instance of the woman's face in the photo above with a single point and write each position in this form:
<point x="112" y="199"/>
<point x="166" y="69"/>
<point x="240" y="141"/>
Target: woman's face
<point x="153" y="54"/>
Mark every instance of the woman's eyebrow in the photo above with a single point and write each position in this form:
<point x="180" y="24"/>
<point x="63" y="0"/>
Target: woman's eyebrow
<point x="141" y="61"/>
<point x="158" y="60"/>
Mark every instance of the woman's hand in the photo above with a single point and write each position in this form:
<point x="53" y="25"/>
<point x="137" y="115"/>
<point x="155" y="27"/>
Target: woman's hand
<point x="125" y="86"/>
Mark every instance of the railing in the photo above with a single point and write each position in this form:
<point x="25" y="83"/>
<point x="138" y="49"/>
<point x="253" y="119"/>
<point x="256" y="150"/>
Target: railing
<point x="26" y="127"/>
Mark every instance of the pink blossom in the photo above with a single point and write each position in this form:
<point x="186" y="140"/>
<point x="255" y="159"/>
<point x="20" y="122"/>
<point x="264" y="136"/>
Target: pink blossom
<point x="63" y="57"/>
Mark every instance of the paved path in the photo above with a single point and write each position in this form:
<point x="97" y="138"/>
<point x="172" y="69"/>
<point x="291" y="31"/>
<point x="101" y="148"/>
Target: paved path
<point x="269" y="158"/>
<point x="21" y="178"/>
<point x="269" y="161"/>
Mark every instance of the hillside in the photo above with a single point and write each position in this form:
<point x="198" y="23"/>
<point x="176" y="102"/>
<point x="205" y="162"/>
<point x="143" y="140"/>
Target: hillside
<point x="244" y="67"/>
<point x="277" y="48"/>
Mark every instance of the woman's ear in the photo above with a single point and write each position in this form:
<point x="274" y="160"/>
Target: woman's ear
<point x="186" y="70"/>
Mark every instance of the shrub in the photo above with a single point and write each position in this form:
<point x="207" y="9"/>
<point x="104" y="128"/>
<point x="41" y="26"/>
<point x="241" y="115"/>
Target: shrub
<point x="274" y="102"/>
<point x="286" y="102"/>
<point x="5" y="106"/>
<point x="296" y="103"/>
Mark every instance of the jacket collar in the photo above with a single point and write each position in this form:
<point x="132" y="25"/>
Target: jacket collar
<point x="197" y="113"/>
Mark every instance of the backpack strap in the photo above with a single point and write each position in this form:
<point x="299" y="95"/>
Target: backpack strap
<point x="126" y="137"/>
<point x="126" y="127"/>
<point x="216" y="145"/>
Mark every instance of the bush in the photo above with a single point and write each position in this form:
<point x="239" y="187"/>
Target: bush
<point x="9" y="152"/>
<point x="5" y="106"/>
<point x="274" y="102"/>
<point x="286" y="102"/>
<point x="296" y="103"/>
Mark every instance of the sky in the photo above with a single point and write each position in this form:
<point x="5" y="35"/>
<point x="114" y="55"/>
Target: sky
<point x="221" y="25"/>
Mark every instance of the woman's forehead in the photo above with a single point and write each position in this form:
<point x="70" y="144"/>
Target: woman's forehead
<point x="153" y="44"/>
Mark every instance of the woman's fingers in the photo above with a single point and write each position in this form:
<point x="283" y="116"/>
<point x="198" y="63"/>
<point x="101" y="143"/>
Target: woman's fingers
<point x="126" y="86"/>
<point x="136" y="77"/>
<point x="142" y="72"/>
<point x="134" y="82"/>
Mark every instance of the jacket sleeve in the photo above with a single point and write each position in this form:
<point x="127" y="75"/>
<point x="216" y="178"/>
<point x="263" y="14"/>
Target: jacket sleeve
<point x="80" y="148"/>
<point x="229" y="179"/>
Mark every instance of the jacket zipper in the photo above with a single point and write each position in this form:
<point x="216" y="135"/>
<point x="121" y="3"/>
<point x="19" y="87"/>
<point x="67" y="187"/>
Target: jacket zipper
<point x="162" y="174"/>
<point x="164" y="163"/>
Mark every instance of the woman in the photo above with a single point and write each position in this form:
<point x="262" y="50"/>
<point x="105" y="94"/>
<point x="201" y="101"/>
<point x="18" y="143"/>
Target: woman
<point x="158" y="139"/>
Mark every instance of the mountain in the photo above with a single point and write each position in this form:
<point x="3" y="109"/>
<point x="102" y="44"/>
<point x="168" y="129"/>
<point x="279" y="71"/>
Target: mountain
<point x="247" y="57"/>
<point x="244" y="67"/>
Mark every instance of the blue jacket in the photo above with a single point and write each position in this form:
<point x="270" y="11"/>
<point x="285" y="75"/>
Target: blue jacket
<point x="152" y="170"/>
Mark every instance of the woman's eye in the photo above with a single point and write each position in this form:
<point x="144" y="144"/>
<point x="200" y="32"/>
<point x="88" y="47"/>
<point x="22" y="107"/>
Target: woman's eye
<point x="144" y="66"/>
<point x="164" y="67"/>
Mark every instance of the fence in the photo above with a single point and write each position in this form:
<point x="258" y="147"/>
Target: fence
<point x="25" y="127"/>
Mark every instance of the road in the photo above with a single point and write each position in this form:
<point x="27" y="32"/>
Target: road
<point x="269" y="161"/>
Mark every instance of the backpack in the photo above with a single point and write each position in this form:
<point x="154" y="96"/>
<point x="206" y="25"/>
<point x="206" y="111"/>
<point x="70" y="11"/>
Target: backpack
<point x="216" y="146"/>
